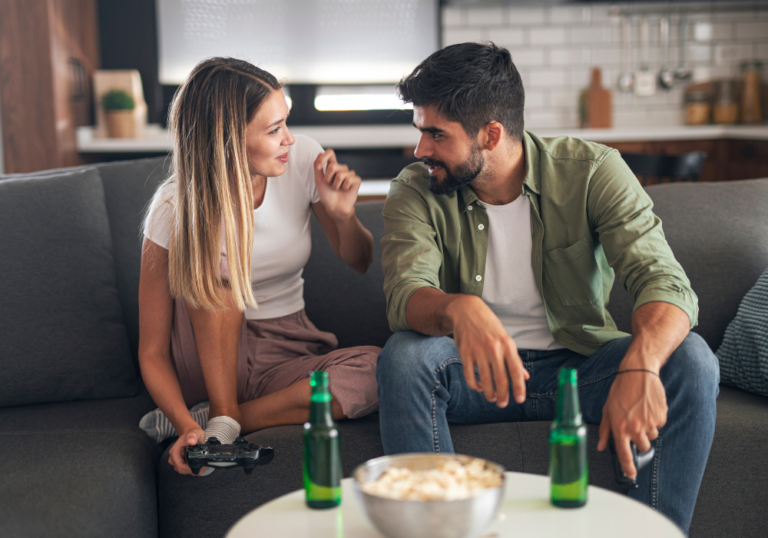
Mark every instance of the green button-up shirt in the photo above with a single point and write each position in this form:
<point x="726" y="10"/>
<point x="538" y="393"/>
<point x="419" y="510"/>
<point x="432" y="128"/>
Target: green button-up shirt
<point x="590" y="218"/>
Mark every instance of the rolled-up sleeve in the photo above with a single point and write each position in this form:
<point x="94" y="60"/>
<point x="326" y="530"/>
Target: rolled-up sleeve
<point x="410" y="257"/>
<point x="621" y="213"/>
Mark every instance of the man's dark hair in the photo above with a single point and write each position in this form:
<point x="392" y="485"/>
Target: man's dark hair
<point x="472" y="84"/>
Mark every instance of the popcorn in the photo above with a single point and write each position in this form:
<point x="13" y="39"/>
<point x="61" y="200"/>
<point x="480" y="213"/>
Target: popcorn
<point x="452" y="480"/>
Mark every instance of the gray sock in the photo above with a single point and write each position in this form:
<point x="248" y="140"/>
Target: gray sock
<point x="225" y="429"/>
<point x="159" y="428"/>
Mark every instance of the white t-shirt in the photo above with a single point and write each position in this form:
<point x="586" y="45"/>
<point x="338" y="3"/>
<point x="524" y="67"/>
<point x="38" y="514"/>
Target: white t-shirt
<point x="281" y="233"/>
<point x="510" y="289"/>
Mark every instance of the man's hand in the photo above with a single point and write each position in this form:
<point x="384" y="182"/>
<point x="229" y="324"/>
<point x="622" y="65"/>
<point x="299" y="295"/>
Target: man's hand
<point x="177" y="456"/>
<point x="484" y="343"/>
<point x="337" y="186"/>
<point x="635" y="410"/>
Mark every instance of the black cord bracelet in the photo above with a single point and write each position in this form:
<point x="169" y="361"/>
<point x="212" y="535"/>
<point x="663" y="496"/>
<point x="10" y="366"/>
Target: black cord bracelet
<point x="638" y="370"/>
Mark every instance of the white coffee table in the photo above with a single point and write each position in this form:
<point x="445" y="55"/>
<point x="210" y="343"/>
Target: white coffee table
<point x="525" y="512"/>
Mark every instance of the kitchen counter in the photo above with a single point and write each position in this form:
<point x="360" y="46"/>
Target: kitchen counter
<point x="158" y="140"/>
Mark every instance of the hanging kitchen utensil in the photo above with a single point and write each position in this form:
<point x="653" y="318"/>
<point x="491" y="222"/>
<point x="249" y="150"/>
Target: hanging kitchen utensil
<point x="645" y="79"/>
<point x="627" y="78"/>
<point x="666" y="75"/>
<point x="682" y="73"/>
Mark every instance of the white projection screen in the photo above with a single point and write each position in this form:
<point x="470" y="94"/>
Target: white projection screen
<point x="300" y="41"/>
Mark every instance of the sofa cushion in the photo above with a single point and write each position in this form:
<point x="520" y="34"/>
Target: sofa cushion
<point x="128" y="188"/>
<point x="731" y="499"/>
<point x="78" y="469"/>
<point x="744" y="354"/>
<point x="719" y="234"/>
<point x="341" y="301"/>
<point x="61" y="325"/>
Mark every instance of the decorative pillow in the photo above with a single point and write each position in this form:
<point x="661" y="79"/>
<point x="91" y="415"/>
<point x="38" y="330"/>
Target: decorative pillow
<point x="62" y="336"/>
<point x="744" y="352"/>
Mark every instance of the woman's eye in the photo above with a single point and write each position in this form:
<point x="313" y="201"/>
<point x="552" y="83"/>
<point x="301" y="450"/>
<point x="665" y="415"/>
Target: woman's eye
<point x="275" y="131"/>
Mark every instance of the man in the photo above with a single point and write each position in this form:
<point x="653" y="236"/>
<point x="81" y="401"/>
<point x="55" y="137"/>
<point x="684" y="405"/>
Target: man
<point x="509" y="243"/>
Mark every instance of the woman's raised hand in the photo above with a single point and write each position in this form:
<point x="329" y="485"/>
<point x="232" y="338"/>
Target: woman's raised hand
<point x="337" y="186"/>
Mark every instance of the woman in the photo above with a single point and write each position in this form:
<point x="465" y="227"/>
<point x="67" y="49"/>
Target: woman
<point x="222" y="319"/>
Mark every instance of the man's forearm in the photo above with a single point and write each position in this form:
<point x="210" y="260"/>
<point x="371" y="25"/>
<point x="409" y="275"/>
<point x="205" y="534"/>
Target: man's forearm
<point x="658" y="328"/>
<point x="430" y="311"/>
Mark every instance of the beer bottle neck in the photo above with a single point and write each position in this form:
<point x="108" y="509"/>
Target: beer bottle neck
<point x="568" y="411"/>
<point x="320" y="409"/>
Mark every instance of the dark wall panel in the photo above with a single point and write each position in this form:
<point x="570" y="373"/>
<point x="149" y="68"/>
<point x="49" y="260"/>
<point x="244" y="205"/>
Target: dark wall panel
<point x="128" y="33"/>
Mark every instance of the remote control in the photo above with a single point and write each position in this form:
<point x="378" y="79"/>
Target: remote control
<point x="641" y="459"/>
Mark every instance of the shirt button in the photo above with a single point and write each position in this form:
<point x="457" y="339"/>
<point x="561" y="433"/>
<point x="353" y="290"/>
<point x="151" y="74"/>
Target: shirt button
<point x="480" y="227"/>
<point x="478" y="278"/>
<point x="470" y="207"/>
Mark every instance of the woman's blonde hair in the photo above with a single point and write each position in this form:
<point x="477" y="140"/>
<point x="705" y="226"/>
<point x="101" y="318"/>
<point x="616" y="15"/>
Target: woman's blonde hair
<point x="208" y="120"/>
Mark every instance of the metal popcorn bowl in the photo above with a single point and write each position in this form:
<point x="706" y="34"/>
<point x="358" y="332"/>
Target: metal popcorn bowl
<point x="396" y="518"/>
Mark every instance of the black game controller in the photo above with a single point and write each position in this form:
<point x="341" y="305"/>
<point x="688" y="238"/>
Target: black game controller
<point x="641" y="459"/>
<point x="241" y="453"/>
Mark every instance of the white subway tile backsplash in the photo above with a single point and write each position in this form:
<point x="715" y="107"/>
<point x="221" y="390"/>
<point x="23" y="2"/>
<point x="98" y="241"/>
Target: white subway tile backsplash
<point x="570" y="56"/>
<point x="506" y="37"/>
<point x="593" y="34"/>
<point x="451" y="36"/>
<point x="491" y="16"/>
<point x="601" y="14"/>
<point x="579" y="77"/>
<point x="668" y="117"/>
<point x="606" y="56"/>
<point x="547" y="36"/>
<point x="526" y="17"/>
<point x="722" y="30"/>
<point x="631" y="119"/>
<point x="751" y="30"/>
<point x="536" y="99"/>
<point x="551" y="78"/>
<point x="453" y="16"/>
<point x="543" y="120"/>
<point x="570" y="15"/>
<point x="555" y="48"/>
<point x="564" y="98"/>
<point x="528" y="57"/>
<point x="699" y="53"/>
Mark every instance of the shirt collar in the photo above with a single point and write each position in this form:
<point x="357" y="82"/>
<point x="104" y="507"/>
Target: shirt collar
<point x="531" y="181"/>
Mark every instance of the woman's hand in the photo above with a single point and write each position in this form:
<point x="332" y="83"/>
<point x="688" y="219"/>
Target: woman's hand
<point x="337" y="186"/>
<point x="178" y="454"/>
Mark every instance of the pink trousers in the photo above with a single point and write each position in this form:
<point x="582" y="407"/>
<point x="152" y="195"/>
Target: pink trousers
<point x="276" y="353"/>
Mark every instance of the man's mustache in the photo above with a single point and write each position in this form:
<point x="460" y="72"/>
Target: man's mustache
<point x="434" y="164"/>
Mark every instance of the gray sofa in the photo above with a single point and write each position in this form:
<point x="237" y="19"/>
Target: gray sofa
<point x="76" y="464"/>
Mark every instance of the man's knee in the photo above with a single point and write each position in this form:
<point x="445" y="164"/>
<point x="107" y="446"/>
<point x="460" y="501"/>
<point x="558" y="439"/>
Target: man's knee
<point x="412" y="357"/>
<point x="696" y="367"/>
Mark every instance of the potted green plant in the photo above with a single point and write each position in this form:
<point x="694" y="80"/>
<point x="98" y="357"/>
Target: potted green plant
<point x="118" y="111"/>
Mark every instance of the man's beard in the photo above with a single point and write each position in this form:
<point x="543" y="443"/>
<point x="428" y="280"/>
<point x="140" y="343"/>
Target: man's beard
<point x="456" y="178"/>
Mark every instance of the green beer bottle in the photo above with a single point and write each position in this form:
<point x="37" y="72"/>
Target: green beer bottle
<point x="568" y="446"/>
<point x="322" y="456"/>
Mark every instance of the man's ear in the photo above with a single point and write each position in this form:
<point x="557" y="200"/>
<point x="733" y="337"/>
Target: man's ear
<point x="490" y="135"/>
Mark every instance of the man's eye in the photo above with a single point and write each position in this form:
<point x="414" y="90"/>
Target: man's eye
<point x="435" y="136"/>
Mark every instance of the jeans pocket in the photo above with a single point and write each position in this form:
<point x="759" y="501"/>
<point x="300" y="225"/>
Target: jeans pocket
<point x="574" y="273"/>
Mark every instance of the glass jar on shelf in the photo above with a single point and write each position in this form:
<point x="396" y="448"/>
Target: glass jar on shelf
<point x="697" y="107"/>
<point x="725" y="110"/>
<point x="751" y="72"/>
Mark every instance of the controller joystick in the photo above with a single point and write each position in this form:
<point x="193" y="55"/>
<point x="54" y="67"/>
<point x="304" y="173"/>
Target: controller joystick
<point x="241" y="453"/>
<point x="640" y="459"/>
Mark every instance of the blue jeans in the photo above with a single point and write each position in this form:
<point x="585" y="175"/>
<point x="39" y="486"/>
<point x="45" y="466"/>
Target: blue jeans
<point x="422" y="389"/>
